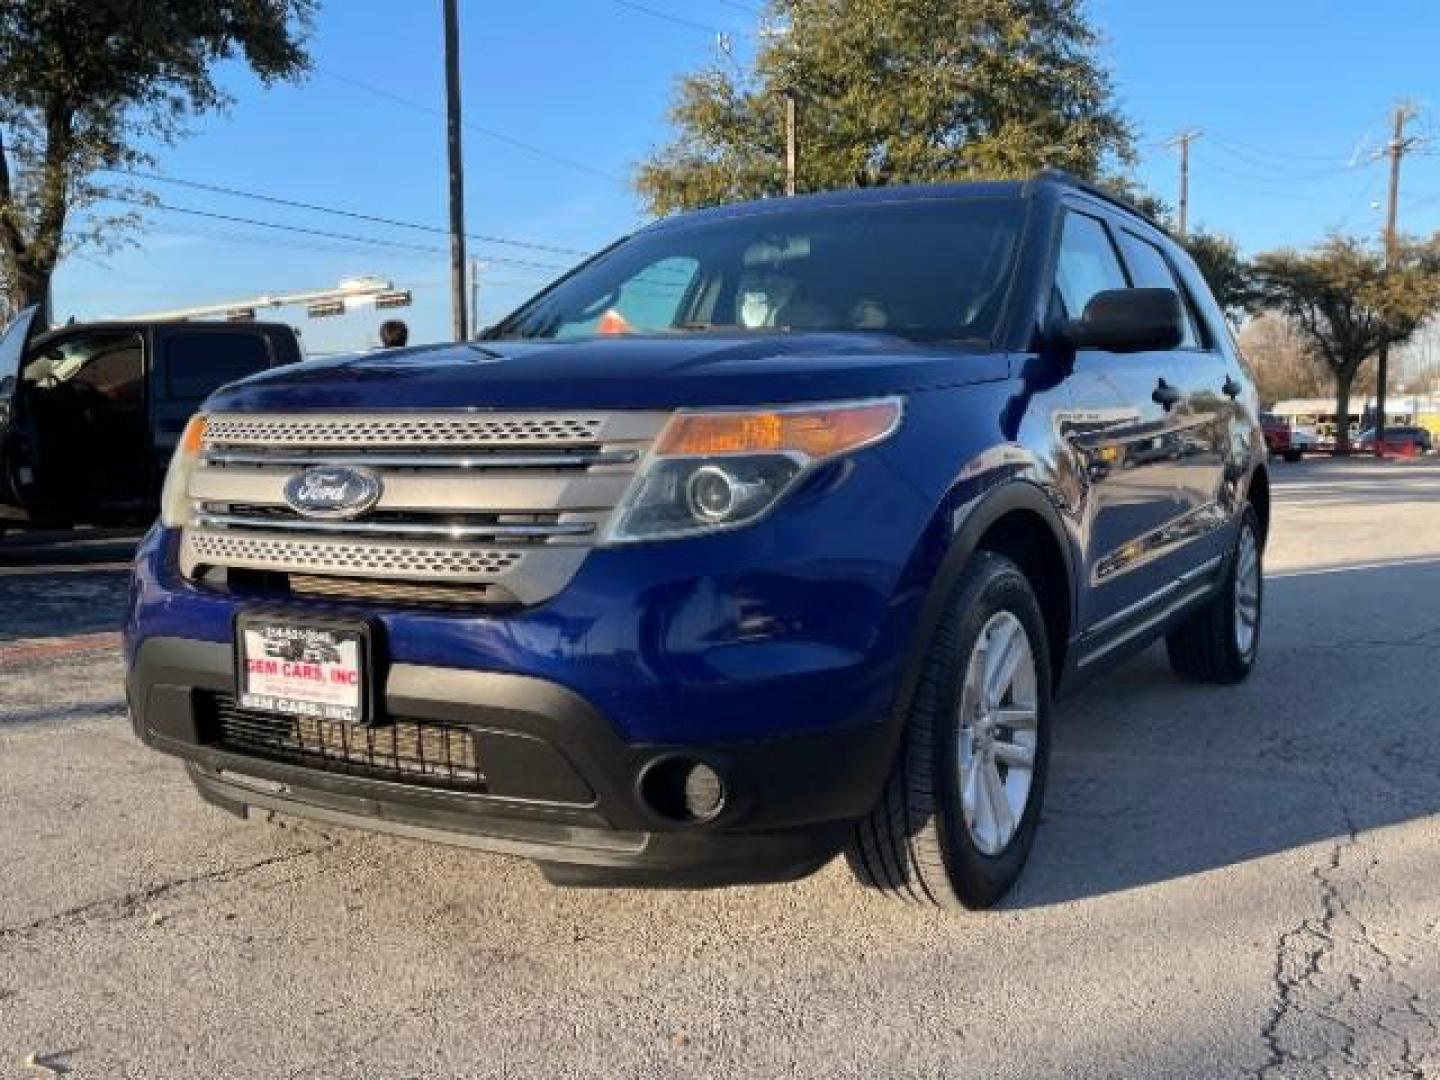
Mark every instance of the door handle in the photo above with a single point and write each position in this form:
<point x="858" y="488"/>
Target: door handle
<point x="1231" y="388"/>
<point x="1165" y="395"/>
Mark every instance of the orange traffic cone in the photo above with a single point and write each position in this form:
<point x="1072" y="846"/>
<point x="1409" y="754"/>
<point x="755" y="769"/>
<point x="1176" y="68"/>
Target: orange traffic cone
<point x="612" y="322"/>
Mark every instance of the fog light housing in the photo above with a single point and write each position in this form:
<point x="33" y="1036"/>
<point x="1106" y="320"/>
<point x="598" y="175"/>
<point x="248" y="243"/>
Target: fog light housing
<point x="683" y="790"/>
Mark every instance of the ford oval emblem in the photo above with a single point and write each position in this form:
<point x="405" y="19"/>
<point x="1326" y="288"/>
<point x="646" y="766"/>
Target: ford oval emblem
<point x="333" y="491"/>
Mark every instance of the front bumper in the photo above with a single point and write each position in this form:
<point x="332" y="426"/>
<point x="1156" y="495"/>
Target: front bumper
<point x="562" y="785"/>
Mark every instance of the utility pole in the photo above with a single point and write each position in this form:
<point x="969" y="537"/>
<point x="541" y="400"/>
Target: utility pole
<point x="1182" y="143"/>
<point x="790" y="149"/>
<point x="785" y="32"/>
<point x="457" y="169"/>
<point x="1399" y="145"/>
<point x="475" y="265"/>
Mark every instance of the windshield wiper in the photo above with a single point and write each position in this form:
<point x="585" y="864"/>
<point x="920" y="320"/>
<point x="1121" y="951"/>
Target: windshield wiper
<point x="703" y="327"/>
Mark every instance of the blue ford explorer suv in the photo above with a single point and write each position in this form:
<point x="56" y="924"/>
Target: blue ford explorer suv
<point x="769" y="533"/>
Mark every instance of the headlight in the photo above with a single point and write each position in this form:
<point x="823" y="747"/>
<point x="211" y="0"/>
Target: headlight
<point x="720" y="469"/>
<point x="175" y="497"/>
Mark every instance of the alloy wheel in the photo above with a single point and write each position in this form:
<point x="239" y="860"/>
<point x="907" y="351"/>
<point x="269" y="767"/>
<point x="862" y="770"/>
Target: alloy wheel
<point x="1247" y="592"/>
<point x="999" y="732"/>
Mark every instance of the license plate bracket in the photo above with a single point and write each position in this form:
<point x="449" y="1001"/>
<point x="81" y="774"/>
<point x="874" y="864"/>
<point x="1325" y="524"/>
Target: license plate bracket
<point x="308" y="666"/>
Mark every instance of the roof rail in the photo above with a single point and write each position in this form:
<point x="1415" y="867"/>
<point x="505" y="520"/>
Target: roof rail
<point x="1060" y="176"/>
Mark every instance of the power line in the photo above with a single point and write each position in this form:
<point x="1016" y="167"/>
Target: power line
<point x="354" y="215"/>
<point x="1241" y="148"/>
<point x="747" y="8"/>
<point x="678" y="20"/>
<point x="489" y="133"/>
<point x="1362" y="197"/>
<point x="1275" y="182"/>
<point x="1271" y="171"/>
<point x="271" y="241"/>
<point x="324" y="234"/>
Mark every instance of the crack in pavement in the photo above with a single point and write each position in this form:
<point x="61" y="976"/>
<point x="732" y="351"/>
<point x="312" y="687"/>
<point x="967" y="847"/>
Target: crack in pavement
<point x="129" y="904"/>
<point x="1300" y="968"/>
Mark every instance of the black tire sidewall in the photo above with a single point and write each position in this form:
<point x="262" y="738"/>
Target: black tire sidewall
<point x="1242" y="662"/>
<point x="995" y="585"/>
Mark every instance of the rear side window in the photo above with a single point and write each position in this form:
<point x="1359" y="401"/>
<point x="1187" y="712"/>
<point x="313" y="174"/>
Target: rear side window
<point x="1151" y="271"/>
<point x="199" y="361"/>
<point x="1087" y="264"/>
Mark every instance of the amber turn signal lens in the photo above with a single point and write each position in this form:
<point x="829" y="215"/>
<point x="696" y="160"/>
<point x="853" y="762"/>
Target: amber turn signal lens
<point x="816" y="433"/>
<point x="194" y="436"/>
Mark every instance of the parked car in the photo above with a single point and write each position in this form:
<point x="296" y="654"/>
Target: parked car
<point x="1303" y="440"/>
<point x="90" y="413"/>
<point x="1398" y="440"/>
<point x="768" y="533"/>
<point x="1278" y="438"/>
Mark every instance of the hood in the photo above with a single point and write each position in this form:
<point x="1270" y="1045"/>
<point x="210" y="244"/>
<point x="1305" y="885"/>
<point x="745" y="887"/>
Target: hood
<point x="640" y="373"/>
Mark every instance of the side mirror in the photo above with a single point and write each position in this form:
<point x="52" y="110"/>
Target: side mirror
<point x="1128" y="320"/>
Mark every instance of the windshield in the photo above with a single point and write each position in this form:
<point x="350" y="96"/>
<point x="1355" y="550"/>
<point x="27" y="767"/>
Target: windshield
<point x="932" y="268"/>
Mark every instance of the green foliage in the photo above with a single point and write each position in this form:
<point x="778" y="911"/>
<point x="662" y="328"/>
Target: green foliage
<point x="1346" y="304"/>
<point x="895" y="91"/>
<point x="1230" y="277"/>
<point x="88" y="86"/>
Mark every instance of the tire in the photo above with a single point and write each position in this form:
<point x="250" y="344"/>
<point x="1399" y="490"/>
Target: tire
<point x="1212" y="644"/>
<point x="1293" y="455"/>
<point x="919" y="843"/>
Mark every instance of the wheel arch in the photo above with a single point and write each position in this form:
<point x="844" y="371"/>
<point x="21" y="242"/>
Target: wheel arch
<point x="1015" y="519"/>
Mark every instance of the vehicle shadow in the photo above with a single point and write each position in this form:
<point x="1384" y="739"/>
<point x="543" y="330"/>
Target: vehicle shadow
<point x="1153" y="778"/>
<point x="62" y="604"/>
<point x="61" y="714"/>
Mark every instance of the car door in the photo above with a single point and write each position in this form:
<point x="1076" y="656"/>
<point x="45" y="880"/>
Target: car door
<point x="1120" y="431"/>
<point x="15" y="470"/>
<point x="1203" y="418"/>
<point x="86" y="393"/>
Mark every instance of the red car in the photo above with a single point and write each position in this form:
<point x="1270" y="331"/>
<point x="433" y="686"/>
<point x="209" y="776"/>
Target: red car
<point x="1277" y="437"/>
<point x="1404" y="441"/>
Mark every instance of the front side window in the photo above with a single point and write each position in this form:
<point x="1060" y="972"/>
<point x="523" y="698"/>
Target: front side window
<point x="109" y="367"/>
<point x="1151" y="271"/>
<point x="934" y="269"/>
<point x="1087" y="264"/>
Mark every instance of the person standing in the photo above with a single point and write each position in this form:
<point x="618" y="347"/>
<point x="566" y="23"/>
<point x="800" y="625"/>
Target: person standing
<point x="394" y="334"/>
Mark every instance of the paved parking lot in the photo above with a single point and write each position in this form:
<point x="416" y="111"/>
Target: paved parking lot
<point x="1227" y="882"/>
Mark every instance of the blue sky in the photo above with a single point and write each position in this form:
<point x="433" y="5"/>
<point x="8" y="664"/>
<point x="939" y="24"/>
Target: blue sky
<point x="1290" y="95"/>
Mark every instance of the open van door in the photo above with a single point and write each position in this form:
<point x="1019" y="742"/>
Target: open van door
<point x="15" y="470"/>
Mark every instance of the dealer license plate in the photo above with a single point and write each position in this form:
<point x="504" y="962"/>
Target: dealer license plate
<point x="300" y="667"/>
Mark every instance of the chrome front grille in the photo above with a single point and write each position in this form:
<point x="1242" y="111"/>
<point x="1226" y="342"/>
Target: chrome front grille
<point x="506" y="503"/>
<point x="409" y="526"/>
<point x="419" y="429"/>
<point x="365" y="560"/>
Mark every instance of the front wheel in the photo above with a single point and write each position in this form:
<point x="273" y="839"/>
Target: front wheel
<point x="958" y="815"/>
<point x="1219" y="642"/>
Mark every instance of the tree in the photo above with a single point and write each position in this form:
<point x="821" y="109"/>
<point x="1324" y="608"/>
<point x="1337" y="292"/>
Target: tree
<point x="895" y="91"/>
<point x="1346" y="304"/>
<point x="88" y="87"/>
<point x="1284" y="362"/>
<point x="1229" y="276"/>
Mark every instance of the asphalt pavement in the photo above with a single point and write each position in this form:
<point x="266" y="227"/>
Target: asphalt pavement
<point x="1227" y="882"/>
